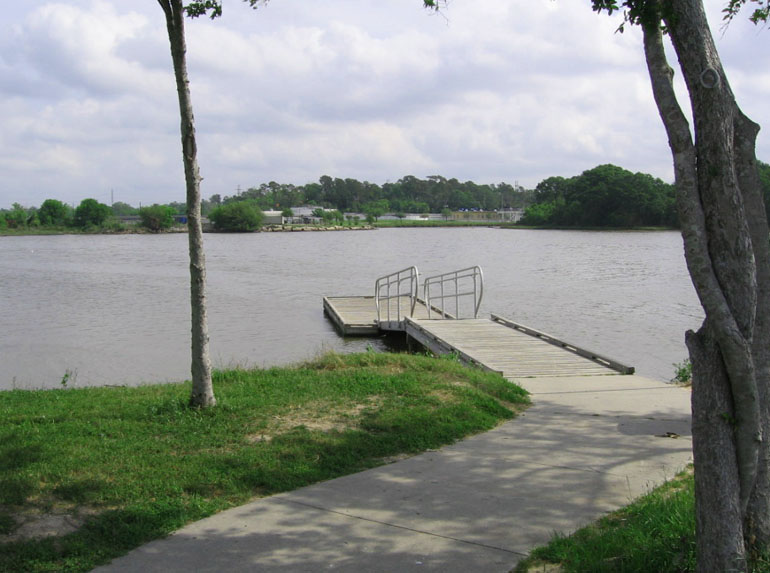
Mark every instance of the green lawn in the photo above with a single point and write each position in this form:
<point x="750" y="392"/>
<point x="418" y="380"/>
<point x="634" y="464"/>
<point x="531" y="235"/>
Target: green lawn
<point x="655" y="533"/>
<point x="133" y="464"/>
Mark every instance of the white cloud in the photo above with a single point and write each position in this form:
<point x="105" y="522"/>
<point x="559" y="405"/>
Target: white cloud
<point x="491" y="91"/>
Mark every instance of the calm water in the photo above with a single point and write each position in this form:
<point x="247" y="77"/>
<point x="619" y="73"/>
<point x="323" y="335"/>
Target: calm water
<point x="115" y="309"/>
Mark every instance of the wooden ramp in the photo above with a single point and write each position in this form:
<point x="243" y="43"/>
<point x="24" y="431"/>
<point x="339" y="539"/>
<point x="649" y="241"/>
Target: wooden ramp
<point x="513" y="350"/>
<point x="496" y="343"/>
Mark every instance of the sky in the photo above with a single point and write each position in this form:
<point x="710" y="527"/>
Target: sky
<point x="486" y="91"/>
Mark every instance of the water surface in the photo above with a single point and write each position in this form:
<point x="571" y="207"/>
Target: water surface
<point x="115" y="309"/>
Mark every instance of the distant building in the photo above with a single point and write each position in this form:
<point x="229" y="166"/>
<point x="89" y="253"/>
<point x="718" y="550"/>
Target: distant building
<point x="503" y="215"/>
<point x="512" y="215"/>
<point x="272" y="217"/>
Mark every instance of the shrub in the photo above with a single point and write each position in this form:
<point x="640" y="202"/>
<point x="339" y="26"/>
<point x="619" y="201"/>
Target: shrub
<point x="91" y="213"/>
<point x="683" y="372"/>
<point x="54" y="213"/>
<point x="17" y="217"/>
<point x="238" y="216"/>
<point x="157" y="217"/>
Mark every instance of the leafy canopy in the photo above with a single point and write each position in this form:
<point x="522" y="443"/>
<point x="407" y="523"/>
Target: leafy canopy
<point x="212" y="8"/>
<point x="157" y="217"/>
<point x="91" y="213"/>
<point x="647" y="12"/>
<point x="760" y="14"/>
<point x="242" y="216"/>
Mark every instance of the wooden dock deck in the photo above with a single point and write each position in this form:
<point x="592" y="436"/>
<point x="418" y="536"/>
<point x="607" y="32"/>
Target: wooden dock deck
<point x="352" y="315"/>
<point x="357" y="315"/>
<point x="496" y="343"/>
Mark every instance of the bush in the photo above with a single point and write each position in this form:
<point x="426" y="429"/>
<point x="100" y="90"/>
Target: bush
<point x="54" y="213"/>
<point x="17" y="217"/>
<point x="683" y="372"/>
<point x="91" y="213"/>
<point x="239" y="216"/>
<point x="157" y="217"/>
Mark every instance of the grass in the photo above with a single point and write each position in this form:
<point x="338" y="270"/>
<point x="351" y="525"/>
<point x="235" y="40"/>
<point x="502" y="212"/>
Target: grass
<point x="655" y="533"/>
<point x="134" y="464"/>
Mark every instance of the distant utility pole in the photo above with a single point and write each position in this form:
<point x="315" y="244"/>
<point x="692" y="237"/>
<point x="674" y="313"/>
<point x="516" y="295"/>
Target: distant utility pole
<point x="112" y="197"/>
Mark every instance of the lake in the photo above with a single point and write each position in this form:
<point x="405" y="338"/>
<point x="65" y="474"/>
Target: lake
<point x="114" y="309"/>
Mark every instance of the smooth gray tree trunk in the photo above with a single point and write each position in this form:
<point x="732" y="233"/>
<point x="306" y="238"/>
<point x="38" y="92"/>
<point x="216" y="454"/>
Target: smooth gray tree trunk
<point x="202" y="389"/>
<point x="726" y="240"/>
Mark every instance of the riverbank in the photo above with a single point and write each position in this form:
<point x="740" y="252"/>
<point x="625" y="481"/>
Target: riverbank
<point x="99" y="471"/>
<point x="389" y="224"/>
<point x="311" y="228"/>
<point x="137" y="230"/>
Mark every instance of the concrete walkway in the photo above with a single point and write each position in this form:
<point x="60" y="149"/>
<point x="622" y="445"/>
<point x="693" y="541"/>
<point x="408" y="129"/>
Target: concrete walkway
<point x="588" y="445"/>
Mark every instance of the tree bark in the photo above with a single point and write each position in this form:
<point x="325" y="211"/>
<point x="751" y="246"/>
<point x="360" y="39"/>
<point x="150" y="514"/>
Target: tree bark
<point x="718" y="518"/>
<point x="202" y="388"/>
<point x="728" y="255"/>
<point x="757" y="519"/>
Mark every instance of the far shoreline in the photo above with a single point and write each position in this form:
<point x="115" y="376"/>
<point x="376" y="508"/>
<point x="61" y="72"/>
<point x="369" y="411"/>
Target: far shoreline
<point x="320" y="228"/>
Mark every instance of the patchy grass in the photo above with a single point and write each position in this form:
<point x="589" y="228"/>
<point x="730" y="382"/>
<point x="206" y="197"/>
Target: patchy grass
<point x="113" y="468"/>
<point x="655" y="533"/>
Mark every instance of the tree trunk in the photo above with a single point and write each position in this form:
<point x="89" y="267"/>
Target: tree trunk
<point x="726" y="247"/>
<point x="718" y="520"/>
<point x="202" y="389"/>
<point x="757" y="519"/>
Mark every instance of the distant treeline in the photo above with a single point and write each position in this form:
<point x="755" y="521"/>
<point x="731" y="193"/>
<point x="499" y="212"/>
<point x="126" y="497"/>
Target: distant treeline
<point x="609" y="196"/>
<point x="605" y="196"/>
<point x="407" y="195"/>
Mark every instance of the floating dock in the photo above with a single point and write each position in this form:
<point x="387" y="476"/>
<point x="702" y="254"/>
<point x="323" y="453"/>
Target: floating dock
<point x="357" y="315"/>
<point x="496" y="343"/>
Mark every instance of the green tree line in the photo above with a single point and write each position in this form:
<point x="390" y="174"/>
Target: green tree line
<point x="610" y="196"/>
<point x="89" y="215"/>
<point x="407" y="195"/>
<point x="605" y="196"/>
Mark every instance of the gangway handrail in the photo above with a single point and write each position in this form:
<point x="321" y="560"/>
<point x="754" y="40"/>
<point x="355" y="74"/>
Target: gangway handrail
<point x="391" y="288"/>
<point x="455" y="280"/>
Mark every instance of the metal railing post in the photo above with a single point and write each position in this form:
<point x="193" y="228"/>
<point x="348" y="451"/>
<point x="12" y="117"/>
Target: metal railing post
<point x="454" y="281"/>
<point x="393" y="287"/>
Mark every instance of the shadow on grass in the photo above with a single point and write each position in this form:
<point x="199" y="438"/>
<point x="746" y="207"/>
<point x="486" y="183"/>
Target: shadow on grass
<point x="100" y="539"/>
<point x="480" y="504"/>
<point x="82" y="491"/>
<point x="16" y="487"/>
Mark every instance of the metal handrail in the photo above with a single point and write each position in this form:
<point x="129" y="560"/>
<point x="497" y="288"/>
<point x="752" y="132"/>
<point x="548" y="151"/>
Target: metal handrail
<point x="471" y="278"/>
<point x="391" y="288"/>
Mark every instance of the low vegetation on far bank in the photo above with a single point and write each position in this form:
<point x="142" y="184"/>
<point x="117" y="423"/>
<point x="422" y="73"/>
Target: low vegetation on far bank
<point x="605" y="197"/>
<point x="123" y="466"/>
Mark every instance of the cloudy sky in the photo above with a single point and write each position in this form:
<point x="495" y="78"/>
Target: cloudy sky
<point x="491" y="91"/>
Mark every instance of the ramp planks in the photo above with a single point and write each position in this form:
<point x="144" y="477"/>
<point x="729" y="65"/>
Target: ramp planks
<point x="496" y="344"/>
<point x="498" y="347"/>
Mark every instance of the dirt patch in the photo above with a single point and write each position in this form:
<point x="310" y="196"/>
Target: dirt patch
<point x="318" y="417"/>
<point x="38" y="523"/>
